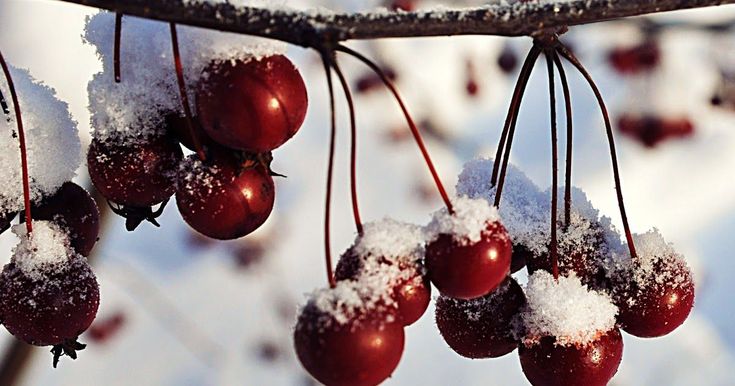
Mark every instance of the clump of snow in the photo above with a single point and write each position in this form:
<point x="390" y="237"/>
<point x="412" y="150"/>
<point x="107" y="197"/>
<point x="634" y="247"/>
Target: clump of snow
<point x="521" y="206"/>
<point x="135" y="108"/>
<point x="466" y="224"/>
<point x="52" y="142"/>
<point x="46" y="250"/>
<point x="566" y="310"/>
<point x="392" y="240"/>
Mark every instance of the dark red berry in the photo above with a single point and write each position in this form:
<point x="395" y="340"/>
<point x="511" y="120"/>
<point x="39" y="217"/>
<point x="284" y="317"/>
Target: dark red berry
<point x="508" y="59"/>
<point x="467" y="270"/>
<point x="411" y="291"/>
<point x="632" y="60"/>
<point x="658" y="305"/>
<point x="72" y="208"/>
<point x="363" y="351"/>
<point x="51" y="309"/>
<point x="137" y="175"/>
<point x="546" y="363"/>
<point x="177" y="127"/>
<point x="224" y="198"/>
<point x="521" y="255"/>
<point x="253" y="105"/>
<point x="402" y="5"/>
<point x="372" y="81"/>
<point x="651" y="130"/>
<point x="482" y="327"/>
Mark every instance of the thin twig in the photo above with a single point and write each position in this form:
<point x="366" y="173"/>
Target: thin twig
<point x="570" y="142"/>
<point x="554" y="165"/>
<point x="330" y="170"/>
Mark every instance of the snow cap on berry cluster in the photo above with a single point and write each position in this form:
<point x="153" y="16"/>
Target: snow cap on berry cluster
<point x="466" y="224"/>
<point x="521" y="206"/>
<point x="350" y="301"/>
<point x="135" y="108"/>
<point x="52" y="142"/>
<point x="46" y="250"/>
<point x="566" y="310"/>
<point x="392" y="240"/>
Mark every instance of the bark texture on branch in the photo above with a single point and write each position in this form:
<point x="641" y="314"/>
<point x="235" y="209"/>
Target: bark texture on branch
<point x="312" y="29"/>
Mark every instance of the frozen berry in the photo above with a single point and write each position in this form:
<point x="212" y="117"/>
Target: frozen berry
<point x="547" y="363"/>
<point x="253" y="105"/>
<point x="136" y="175"/>
<point x="482" y="327"/>
<point x="463" y="269"/>
<point x="75" y="210"/>
<point x="361" y="349"/>
<point x="224" y="197"/>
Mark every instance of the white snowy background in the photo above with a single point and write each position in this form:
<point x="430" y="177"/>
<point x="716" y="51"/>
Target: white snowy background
<point x="193" y="317"/>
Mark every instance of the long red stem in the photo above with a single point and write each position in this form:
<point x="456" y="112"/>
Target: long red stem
<point x="414" y="130"/>
<point x="570" y="134"/>
<point x="22" y="140"/>
<point x="116" y="52"/>
<point x="184" y="96"/>
<point x="515" y="104"/>
<point x="353" y="145"/>
<point x="563" y="51"/>
<point x="554" y="166"/>
<point x="330" y="170"/>
<point x="533" y="55"/>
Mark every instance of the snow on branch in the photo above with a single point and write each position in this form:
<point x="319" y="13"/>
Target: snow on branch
<point x="314" y="28"/>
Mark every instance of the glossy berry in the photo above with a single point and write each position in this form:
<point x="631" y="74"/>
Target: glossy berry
<point x="632" y="60"/>
<point x="547" y="364"/>
<point x="660" y="304"/>
<point x="482" y="327"/>
<point x="139" y="175"/>
<point x="467" y="270"/>
<point x="51" y="310"/>
<point x="411" y="291"/>
<point x="224" y="198"/>
<point x="75" y="210"/>
<point x="253" y="105"/>
<point x="363" y="351"/>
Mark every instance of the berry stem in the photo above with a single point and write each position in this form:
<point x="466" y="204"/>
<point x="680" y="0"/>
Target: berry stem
<point x="533" y="54"/>
<point x="116" y="50"/>
<point x="554" y="165"/>
<point x="414" y="130"/>
<point x="563" y="51"/>
<point x="330" y="170"/>
<point x="515" y="103"/>
<point x="184" y="95"/>
<point x="570" y="136"/>
<point x="22" y="141"/>
<point x="353" y="143"/>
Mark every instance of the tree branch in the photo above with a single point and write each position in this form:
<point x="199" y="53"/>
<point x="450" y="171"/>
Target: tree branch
<point x="312" y="29"/>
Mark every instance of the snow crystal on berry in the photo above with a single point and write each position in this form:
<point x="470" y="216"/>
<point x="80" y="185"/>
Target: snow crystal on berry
<point x="52" y="141"/>
<point x="521" y="206"/>
<point x="393" y="240"/>
<point x="46" y="250"/>
<point x="135" y="108"/>
<point x="566" y="310"/>
<point x="466" y="225"/>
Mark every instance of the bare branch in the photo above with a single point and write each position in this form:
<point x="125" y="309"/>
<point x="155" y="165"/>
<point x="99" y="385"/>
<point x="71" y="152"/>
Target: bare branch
<point x="312" y="29"/>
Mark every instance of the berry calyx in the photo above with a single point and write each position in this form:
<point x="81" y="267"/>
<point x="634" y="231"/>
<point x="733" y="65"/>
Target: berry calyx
<point x="254" y="105"/>
<point x="547" y="363"/>
<point x="353" y="343"/>
<point x="72" y="208"/>
<point x="469" y="253"/>
<point x="225" y="197"/>
<point x="482" y="327"/>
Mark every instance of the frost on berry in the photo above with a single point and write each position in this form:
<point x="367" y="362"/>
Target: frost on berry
<point x="566" y="310"/>
<point x="135" y="109"/>
<point x="468" y="222"/>
<point x="52" y="141"/>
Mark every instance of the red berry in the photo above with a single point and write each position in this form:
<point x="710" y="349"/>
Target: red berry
<point x="658" y="305"/>
<point x="467" y="270"/>
<point x="411" y="290"/>
<point x="402" y="5"/>
<point x="253" y="105"/>
<point x="507" y="60"/>
<point x="224" y="198"/>
<point x="483" y="327"/>
<point x="546" y="363"/>
<point x="137" y="175"/>
<point x="74" y="210"/>
<point x="52" y="309"/>
<point x="371" y="81"/>
<point x="632" y="60"/>
<point x="363" y="351"/>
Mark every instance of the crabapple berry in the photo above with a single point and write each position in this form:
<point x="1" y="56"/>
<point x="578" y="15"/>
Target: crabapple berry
<point x="253" y="105"/>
